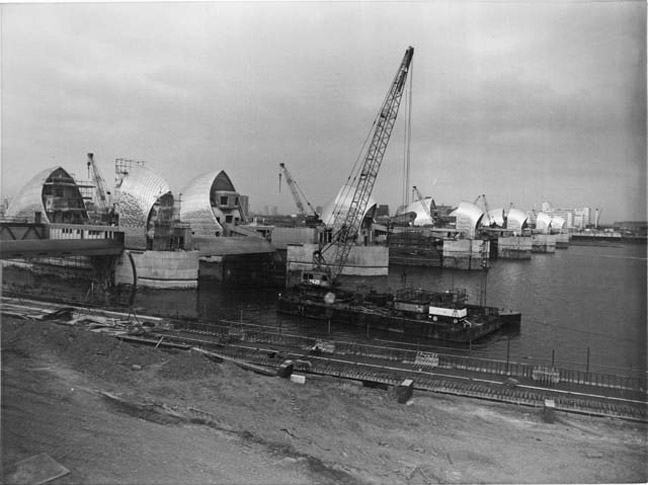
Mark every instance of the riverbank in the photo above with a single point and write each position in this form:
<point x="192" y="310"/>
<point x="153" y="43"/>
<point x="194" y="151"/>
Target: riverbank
<point x="111" y="412"/>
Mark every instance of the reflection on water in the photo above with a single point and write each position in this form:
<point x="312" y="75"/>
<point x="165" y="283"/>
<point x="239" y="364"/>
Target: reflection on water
<point x="585" y="297"/>
<point x="577" y="299"/>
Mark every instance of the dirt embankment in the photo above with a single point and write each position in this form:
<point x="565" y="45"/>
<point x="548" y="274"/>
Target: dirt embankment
<point x="112" y="412"/>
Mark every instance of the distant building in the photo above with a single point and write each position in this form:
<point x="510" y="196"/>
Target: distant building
<point x="574" y="218"/>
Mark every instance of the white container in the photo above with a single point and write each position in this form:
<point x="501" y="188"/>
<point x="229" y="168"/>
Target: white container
<point x="298" y="378"/>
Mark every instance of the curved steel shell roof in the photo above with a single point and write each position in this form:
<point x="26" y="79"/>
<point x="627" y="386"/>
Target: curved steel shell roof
<point x="422" y="218"/>
<point x="196" y="208"/>
<point x="543" y="221"/>
<point x="138" y="191"/>
<point x="557" y="223"/>
<point x="30" y="198"/>
<point x="496" y="217"/>
<point x="344" y="198"/>
<point x="515" y="220"/>
<point x="468" y="217"/>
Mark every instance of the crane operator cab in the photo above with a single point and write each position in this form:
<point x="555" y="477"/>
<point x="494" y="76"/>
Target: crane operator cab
<point x="316" y="278"/>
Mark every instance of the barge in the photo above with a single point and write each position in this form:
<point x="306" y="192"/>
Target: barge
<point x="443" y="316"/>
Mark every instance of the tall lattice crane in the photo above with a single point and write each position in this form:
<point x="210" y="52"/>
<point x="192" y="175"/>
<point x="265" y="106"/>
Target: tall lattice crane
<point x="331" y="256"/>
<point x="296" y="191"/>
<point x="100" y="185"/>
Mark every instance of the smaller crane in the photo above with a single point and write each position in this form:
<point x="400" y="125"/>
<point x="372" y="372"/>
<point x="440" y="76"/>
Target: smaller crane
<point x="100" y="185"/>
<point x="486" y="209"/>
<point x="296" y="191"/>
<point x="426" y="208"/>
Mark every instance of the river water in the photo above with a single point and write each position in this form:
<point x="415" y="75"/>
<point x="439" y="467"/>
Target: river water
<point x="582" y="308"/>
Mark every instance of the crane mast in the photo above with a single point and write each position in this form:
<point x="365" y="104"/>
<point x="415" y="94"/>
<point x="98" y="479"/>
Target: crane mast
<point x="332" y="256"/>
<point x="100" y="184"/>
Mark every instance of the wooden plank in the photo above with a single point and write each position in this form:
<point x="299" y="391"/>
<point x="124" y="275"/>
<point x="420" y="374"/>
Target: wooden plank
<point x="36" y="470"/>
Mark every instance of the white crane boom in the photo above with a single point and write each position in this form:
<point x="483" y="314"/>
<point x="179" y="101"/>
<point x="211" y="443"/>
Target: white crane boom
<point x="100" y="184"/>
<point x="296" y="191"/>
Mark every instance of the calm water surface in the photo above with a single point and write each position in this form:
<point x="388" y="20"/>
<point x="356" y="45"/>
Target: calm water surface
<point x="579" y="301"/>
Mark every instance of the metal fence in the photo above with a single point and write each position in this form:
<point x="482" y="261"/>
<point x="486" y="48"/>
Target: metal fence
<point x="427" y="361"/>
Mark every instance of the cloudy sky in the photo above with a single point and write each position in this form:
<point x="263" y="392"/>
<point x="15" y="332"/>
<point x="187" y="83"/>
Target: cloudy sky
<point x="521" y="101"/>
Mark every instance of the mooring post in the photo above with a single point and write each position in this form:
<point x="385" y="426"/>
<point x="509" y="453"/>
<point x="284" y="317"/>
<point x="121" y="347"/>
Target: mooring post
<point x="553" y="355"/>
<point x="508" y="353"/>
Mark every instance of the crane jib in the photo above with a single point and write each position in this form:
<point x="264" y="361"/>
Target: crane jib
<point x="347" y="223"/>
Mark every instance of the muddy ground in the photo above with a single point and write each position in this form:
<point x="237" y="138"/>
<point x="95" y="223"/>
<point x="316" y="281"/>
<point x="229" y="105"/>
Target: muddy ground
<point x="115" y="413"/>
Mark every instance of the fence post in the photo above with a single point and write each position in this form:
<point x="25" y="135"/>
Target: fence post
<point x="508" y="353"/>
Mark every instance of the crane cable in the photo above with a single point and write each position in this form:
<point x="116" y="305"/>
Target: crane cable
<point x="408" y="139"/>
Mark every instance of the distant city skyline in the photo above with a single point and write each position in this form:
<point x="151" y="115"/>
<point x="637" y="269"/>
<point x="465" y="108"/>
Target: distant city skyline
<point x="524" y="102"/>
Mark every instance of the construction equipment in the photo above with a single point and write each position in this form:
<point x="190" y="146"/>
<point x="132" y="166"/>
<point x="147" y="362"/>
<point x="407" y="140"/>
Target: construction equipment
<point x="486" y="209"/>
<point x="332" y="255"/>
<point x="426" y="208"/>
<point x="296" y="191"/>
<point x="100" y="185"/>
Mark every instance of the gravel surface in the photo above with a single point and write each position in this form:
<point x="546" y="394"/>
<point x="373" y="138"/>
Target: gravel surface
<point x="113" y="412"/>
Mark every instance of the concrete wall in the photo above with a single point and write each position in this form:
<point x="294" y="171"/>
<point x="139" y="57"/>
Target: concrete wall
<point x="362" y="261"/>
<point x="75" y="267"/>
<point x="466" y="254"/>
<point x="282" y="236"/>
<point x="159" y="269"/>
<point x="514" y="247"/>
<point x="543" y="243"/>
<point x="562" y="240"/>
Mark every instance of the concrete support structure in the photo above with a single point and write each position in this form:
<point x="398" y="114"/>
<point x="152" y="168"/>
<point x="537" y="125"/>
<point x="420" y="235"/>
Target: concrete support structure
<point x="159" y="269"/>
<point x="543" y="243"/>
<point x="362" y="261"/>
<point x="514" y="247"/>
<point x="466" y="254"/>
<point x="562" y="240"/>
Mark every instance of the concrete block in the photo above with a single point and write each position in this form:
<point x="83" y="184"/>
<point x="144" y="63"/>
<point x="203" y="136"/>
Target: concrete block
<point x="298" y="378"/>
<point x="285" y="369"/>
<point x="405" y="391"/>
<point x="549" y="411"/>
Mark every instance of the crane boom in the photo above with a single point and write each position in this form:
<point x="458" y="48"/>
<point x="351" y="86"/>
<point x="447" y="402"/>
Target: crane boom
<point x="346" y="223"/>
<point x="100" y="184"/>
<point x="296" y="191"/>
<point x="293" y="188"/>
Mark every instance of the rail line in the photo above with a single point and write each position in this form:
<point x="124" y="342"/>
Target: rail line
<point x="383" y="374"/>
<point x="377" y="366"/>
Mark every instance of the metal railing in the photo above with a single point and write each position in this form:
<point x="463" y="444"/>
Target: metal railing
<point x="538" y="374"/>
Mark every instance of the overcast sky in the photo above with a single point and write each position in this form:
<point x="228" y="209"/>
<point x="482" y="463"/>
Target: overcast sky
<point x="521" y="101"/>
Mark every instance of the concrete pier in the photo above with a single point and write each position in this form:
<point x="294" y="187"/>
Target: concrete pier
<point x="362" y="261"/>
<point x="543" y="243"/>
<point x="514" y="247"/>
<point x="466" y="254"/>
<point x="159" y="269"/>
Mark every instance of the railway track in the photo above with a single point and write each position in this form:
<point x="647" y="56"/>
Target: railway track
<point x="388" y="375"/>
<point x="377" y="370"/>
